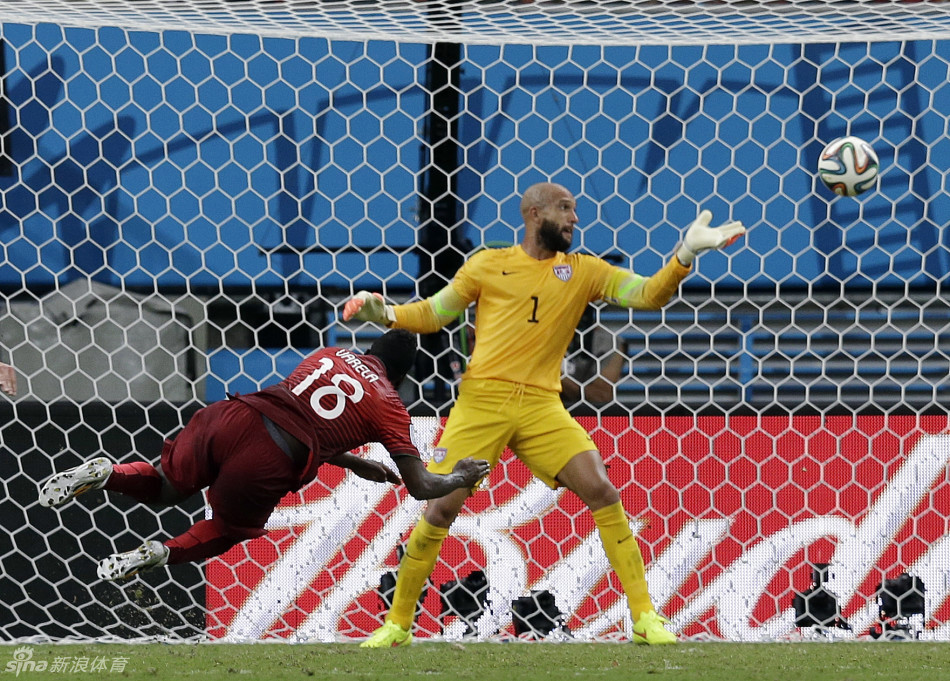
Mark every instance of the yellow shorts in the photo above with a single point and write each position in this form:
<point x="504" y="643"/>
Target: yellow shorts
<point x="490" y="415"/>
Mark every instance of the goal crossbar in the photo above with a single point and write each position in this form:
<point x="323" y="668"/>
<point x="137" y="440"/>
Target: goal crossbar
<point x="541" y="22"/>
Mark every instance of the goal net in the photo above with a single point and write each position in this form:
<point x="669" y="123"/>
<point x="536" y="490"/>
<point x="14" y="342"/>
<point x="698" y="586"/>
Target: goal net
<point x="189" y="190"/>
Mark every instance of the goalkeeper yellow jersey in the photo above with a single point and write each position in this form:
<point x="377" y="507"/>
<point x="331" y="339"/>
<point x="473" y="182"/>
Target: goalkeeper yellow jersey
<point x="528" y="310"/>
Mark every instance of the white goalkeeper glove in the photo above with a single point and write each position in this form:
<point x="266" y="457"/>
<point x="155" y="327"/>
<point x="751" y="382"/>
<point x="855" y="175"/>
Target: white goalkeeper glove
<point x="701" y="237"/>
<point x="369" y="307"/>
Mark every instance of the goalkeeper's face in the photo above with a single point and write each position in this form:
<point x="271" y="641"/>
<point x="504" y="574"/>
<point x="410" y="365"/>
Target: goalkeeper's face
<point x="555" y="236"/>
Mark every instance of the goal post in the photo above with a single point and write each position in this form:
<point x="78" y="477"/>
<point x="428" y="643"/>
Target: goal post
<point x="196" y="187"/>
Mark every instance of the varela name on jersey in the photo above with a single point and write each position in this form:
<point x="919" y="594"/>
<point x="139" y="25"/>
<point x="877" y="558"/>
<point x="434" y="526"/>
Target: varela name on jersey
<point x="358" y="366"/>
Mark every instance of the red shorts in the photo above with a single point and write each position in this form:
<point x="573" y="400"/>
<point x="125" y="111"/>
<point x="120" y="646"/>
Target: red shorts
<point x="226" y="448"/>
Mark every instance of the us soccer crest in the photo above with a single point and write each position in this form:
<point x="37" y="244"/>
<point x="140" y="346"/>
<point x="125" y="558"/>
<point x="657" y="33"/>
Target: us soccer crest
<point x="563" y="272"/>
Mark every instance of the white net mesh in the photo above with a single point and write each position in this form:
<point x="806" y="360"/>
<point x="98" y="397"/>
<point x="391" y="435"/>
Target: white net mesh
<point x="535" y="22"/>
<point x="192" y="189"/>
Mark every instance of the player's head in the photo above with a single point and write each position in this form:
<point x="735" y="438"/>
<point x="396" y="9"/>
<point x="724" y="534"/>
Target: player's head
<point x="396" y="349"/>
<point x="549" y="212"/>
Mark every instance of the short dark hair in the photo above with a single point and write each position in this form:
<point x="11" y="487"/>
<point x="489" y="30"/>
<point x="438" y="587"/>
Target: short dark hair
<point x="397" y="350"/>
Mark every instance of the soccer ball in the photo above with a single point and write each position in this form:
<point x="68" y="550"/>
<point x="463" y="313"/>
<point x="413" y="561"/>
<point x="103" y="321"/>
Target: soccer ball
<point x="848" y="166"/>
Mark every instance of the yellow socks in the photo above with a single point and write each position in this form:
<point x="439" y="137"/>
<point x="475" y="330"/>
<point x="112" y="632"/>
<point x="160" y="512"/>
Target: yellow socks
<point x="624" y="556"/>
<point x="417" y="563"/>
<point x="425" y="541"/>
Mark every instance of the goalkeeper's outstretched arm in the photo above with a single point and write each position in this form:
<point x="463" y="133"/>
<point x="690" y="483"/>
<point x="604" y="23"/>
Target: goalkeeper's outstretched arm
<point x="628" y="289"/>
<point x="424" y="316"/>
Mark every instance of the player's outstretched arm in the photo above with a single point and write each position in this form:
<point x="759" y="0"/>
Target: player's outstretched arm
<point x="423" y="316"/>
<point x="701" y="237"/>
<point x="7" y="379"/>
<point x="425" y="485"/>
<point x="628" y="289"/>
<point x="365" y="468"/>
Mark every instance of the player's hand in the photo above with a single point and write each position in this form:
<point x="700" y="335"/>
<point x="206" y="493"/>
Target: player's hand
<point x="471" y="471"/>
<point x="369" y="307"/>
<point x="7" y="379"/>
<point x="374" y="471"/>
<point x="701" y="237"/>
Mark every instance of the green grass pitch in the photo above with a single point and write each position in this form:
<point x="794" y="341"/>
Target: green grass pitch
<point x="839" y="661"/>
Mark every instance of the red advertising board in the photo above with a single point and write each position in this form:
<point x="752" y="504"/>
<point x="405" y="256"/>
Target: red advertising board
<point x="731" y="513"/>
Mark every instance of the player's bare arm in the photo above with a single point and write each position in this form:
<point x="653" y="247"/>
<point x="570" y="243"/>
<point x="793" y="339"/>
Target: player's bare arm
<point x="367" y="469"/>
<point x="601" y="388"/>
<point x="425" y="485"/>
<point x="7" y="379"/>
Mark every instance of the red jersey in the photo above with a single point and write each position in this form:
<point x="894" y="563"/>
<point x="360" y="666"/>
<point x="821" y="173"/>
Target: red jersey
<point x="334" y="401"/>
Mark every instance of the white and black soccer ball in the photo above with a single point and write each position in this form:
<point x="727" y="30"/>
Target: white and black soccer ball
<point x="848" y="166"/>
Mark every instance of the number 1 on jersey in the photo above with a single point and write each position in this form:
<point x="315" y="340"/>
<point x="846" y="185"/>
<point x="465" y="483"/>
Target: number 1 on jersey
<point x="534" y="311"/>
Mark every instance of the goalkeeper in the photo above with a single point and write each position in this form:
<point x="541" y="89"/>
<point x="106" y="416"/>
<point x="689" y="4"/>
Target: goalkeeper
<point x="529" y="299"/>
